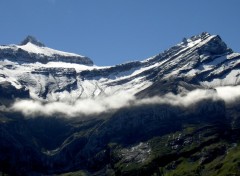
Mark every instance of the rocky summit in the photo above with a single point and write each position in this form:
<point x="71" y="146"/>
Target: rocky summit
<point x="176" y="113"/>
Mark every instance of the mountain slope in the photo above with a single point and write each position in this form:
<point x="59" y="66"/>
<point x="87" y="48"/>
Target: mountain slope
<point x="203" y="61"/>
<point x="173" y="122"/>
<point x="30" y="51"/>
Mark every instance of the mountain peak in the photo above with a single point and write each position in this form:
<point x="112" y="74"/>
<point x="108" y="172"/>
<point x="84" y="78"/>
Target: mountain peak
<point x="33" y="40"/>
<point x="204" y="34"/>
<point x="31" y="50"/>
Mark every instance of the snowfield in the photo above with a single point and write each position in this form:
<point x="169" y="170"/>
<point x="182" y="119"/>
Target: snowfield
<point x="56" y="80"/>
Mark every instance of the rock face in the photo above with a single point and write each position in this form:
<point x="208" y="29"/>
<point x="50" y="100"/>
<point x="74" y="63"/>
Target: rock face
<point x="139" y="139"/>
<point x="33" y="40"/>
<point x="9" y="91"/>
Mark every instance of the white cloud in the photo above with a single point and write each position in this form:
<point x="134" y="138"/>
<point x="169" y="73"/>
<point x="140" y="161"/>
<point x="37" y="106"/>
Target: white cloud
<point x="182" y="100"/>
<point x="229" y="93"/>
<point x="83" y="106"/>
<point x="89" y="106"/>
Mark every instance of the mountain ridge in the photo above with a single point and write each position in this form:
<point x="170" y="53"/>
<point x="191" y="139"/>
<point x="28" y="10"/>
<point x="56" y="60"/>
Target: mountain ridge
<point x="31" y="51"/>
<point x="166" y="115"/>
<point x="198" y="60"/>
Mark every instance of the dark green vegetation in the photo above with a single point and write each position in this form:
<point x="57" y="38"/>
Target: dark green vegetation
<point x="147" y="140"/>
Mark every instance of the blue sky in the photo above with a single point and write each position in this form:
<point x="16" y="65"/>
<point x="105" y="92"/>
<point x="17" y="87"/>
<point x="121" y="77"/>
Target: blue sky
<point x="116" y="31"/>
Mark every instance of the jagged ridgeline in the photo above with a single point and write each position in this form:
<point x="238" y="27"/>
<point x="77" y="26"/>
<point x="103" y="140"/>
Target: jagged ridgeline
<point x="171" y="114"/>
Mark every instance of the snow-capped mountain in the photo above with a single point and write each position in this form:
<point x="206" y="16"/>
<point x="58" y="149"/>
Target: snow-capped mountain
<point x="200" y="61"/>
<point x="59" y="112"/>
<point x="31" y="50"/>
